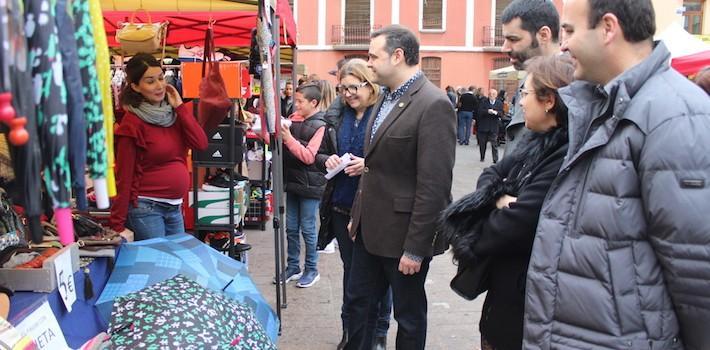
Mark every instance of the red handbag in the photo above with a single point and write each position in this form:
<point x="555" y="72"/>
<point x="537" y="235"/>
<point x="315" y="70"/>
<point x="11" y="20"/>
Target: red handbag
<point x="214" y="103"/>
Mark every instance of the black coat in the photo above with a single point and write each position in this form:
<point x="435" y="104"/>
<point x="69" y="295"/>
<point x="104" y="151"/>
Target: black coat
<point x="489" y="122"/>
<point x="306" y="180"/>
<point x="505" y="236"/>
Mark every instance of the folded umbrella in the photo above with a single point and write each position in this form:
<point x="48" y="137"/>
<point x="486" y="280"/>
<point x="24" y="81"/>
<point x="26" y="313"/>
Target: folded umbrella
<point x="144" y="263"/>
<point x="180" y="314"/>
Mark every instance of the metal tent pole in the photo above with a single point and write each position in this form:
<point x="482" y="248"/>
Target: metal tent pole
<point x="277" y="161"/>
<point x="264" y="37"/>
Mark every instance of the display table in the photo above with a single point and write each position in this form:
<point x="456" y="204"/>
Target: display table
<point x="84" y="322"/>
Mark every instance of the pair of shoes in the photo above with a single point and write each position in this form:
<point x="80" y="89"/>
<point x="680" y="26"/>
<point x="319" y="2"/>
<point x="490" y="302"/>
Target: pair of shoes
<point x="220" y="241"/>
<point x="291" y="274"/>
<point x="343" y="340"/>
<point x="380" y="343"/>
<point x="465" y="143"/>
<point x="482" y="159"/>
<point x="220" y="181"/>
<point x="328" y="249"/>
<point x="309" y="278"/>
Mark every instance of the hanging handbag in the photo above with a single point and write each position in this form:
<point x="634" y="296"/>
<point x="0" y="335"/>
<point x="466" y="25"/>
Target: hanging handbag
<point x="141" y="37"/>
<point x="214" y="103"/>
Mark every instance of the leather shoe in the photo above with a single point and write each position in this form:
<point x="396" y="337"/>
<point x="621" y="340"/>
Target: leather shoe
<point x="380" y="343"/>
<point x="343" y="340"/>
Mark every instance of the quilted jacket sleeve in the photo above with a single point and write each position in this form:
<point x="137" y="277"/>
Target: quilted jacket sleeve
<point x="675" y="180"/>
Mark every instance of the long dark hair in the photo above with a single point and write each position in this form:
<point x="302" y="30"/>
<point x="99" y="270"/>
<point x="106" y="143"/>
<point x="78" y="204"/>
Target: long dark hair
<point x="135" y="68"/>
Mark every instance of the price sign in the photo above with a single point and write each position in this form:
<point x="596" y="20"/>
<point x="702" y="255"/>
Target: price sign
<point x="42" y="326"/>
<point x="65" y="279"/>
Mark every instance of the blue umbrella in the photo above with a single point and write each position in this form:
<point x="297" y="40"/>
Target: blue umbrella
<point x="145" y="263"/>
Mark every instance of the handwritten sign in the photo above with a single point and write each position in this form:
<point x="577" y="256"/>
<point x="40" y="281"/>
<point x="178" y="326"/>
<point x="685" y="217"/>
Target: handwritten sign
<point x="65" y="279"/>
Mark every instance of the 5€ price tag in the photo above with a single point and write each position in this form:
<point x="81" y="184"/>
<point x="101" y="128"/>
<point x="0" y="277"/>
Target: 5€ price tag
<point x="65" y="279"/>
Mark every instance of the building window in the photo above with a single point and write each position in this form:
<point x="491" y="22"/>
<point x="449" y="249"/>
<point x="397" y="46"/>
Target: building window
<point x="356" y="27"/>
<point x="493" y="34"/>
<point x="432" y="15"/>
<point x="693" y="16"/>
<point x="431" y="66"/>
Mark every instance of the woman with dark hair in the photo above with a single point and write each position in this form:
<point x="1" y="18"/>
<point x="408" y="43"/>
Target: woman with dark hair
<point x="492" y="229"/>
<point x="151" y="150"/>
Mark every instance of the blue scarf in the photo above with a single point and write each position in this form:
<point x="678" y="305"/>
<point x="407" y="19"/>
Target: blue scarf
<point x="351" y="139"/>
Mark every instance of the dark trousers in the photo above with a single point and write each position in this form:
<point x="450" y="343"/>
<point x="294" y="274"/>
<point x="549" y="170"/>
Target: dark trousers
<point x="483" y="138"/>
<point x="370" y="276"/>
<point x="339" y="225"/>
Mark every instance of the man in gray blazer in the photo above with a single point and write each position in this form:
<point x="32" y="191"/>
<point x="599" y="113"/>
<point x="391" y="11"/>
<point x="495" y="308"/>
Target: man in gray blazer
<point x="410" y="148"/>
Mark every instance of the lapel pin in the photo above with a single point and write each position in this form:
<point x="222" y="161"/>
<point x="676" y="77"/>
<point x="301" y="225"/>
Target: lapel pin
<point x="401" y="104"/>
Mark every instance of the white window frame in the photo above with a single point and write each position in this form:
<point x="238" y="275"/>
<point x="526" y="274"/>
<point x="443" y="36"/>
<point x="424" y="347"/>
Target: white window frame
<point x="443" y="18"/>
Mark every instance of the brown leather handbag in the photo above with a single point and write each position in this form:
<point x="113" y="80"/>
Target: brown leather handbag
<point x="214" y="103"/>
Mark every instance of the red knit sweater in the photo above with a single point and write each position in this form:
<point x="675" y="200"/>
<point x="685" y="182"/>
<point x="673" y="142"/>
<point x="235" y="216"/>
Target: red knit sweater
<point x="151" y="160"/>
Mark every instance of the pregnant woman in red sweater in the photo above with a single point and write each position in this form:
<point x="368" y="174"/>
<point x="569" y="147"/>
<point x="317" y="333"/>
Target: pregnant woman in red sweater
<point x="151" y="149"/>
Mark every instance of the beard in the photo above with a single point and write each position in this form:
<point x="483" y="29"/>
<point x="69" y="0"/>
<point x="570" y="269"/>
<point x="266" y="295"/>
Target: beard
<point x="522" y="56"/>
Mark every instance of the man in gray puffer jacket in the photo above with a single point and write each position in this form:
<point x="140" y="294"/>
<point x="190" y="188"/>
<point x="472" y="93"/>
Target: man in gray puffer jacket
<point x="621" y="259"/>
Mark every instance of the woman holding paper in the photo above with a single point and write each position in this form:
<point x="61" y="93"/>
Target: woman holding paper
<point x="359" y="93"/>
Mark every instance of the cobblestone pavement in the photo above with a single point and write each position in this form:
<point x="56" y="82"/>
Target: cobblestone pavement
<point x="312" y="319"/>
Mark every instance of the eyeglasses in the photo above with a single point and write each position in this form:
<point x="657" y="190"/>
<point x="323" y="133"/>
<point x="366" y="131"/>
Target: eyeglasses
<point x="523" y="93"/>
<point x="351" y="89"/>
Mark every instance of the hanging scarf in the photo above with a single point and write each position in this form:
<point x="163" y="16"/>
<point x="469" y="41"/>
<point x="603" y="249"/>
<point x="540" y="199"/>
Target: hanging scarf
<point x="162" y="115"/>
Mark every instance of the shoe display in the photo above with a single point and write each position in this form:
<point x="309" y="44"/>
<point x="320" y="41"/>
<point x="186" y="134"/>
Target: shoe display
<point x="220" y="181"/>
<point x="291" y="275"/>
<point x="220" y="241"/>
<point x="309" y="278"/>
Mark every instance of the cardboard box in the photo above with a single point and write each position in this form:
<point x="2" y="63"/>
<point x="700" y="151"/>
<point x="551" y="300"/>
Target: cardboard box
<point x="217" y="199"/>
<point x="219" y="147"/>
<point x="217" y="216"/>
<point x="38" y="280"/>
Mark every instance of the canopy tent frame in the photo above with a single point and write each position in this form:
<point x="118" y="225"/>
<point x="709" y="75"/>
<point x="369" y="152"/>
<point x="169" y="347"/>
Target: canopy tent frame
<point x="188" y="17"/>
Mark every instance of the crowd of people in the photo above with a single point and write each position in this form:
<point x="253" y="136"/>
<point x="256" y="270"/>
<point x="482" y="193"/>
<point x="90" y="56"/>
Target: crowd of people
<point x="589" y="232"/>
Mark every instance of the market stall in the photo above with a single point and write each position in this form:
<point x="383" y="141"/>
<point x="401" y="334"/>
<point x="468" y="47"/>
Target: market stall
<point x="68" y="284"/>
<point x="688" y="53"/>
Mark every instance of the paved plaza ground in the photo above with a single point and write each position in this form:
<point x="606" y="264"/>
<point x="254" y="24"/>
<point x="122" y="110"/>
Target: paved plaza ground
<point x="312" y="319"/>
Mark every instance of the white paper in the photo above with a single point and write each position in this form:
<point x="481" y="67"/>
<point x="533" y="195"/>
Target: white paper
<point x="344" y="161"/>
<point x="42" y="326"/>
<point x="65" y="279"/>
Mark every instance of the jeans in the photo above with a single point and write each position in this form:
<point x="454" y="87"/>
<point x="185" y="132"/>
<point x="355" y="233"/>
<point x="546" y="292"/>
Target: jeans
<point x="370" y="277"/>
<point x="301" y="215"/>
<point x="151" y="219"/>
<point x="339" y="225"/>
<point x="464" y="129"/>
